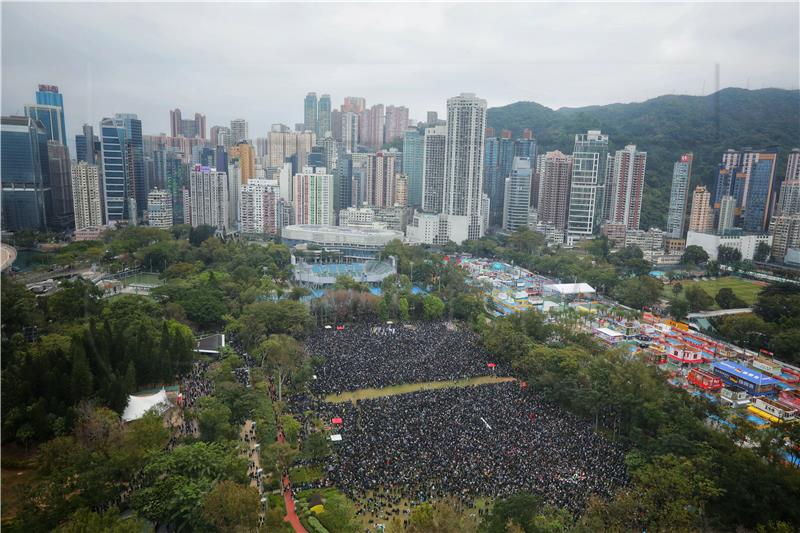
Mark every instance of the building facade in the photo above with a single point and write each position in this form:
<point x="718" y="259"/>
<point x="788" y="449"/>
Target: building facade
<point x="312" y="197"/>
<point x="159" y="208"/>
<point x="180" y="127"/>
<point x="433" y="169"/>
<point x="209" y="198"/>
<point x="87" y="196"/>
<point x="587" y="184"/>
<point x="759" y="193"/>
<point x="681" y="178"/>
<point x="555" y="169"/>
<point x="627" y="185"/>
<point x="413" y="163"/>
<point x="701" y="218"/>
<point x="518" y="195"/>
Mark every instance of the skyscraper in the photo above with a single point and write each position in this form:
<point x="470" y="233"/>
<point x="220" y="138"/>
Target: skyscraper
<point x="87" y="196"/>
<point x="180" y="127"/>
<point x="25" y="174"/>
<point x="239" y="130"/>
<point x="159" y="208"/>
<point x="396" y="122"/>
<point x="117" y="190"/>
<point x="86" y="146"/>
<point x="209" y="197"/>
<point x="793" y="165"/>
<point x="555" y="169"/>
<point x="434" y="168"/>
<point x="789" y="198"/>
<point x="371" y="126"/>
<point x="135" y="161"/>
<point x="48" y="95"/>
<point x="62" y="214"/>
<point x="681" y="178"/>
<point x="50" y="116"/>
<point x="245" y="154"/>
<point x="313" y="197"/>
<point x="350" y="131"/>
<point x="413" y="159"/>
<point x="627" y="186"/>
<point x="701" y="218"/>
<point x="588" y="184"/>
<point x="401" y="191"/>
<point x="517" y="195"/>
<point x="760" y="193"/>
<point x="354" y="104"/>
<point x="221" y="136"/>
<point x="463" y="180"/>
<point x="259" y="207"/>
<point x="381" y="179"/>
<point x="324" y="116"/>
<point x="310" y="112"/>
<point x="727" y="214"/>
<point x="785" y="235"/>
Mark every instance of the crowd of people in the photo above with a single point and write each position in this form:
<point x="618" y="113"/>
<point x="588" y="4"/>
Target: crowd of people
<point x="374" y="356"/>
<point x="195" y="385"/>
<point x="487" y="440"/>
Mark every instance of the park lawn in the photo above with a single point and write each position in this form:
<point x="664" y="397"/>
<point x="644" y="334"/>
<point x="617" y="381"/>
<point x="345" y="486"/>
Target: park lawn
<point x="305" y="474"/>
<point x="745" y="289"/>
<point x="368" y="394"/>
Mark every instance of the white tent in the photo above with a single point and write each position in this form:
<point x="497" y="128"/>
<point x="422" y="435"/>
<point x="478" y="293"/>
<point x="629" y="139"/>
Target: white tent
<point x="565" y="289"/>
<point x="139" y="405"/>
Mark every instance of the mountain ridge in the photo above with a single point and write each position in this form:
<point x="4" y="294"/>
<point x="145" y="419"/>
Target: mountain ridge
<point x="667" y="126"/>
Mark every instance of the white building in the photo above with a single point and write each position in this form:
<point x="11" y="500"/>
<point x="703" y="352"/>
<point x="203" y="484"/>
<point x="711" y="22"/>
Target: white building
<point x="679" y="194"/>
<point x="428" y="228"/>
<point x="517" y="195"/>
<point x="727" y="213"/>
<point x="350" y="242"/>
<point x="586" y="184"/>
<point x="87" y="196"/>
<point x="746" y="244"/>
<point x="159" y="208"/>
<point x="312" y="197"/>
<point x="433" y="169"/>
<point x="239" y="130"/>
<point x="259" y="209"/>
<point x="209" y="198"/>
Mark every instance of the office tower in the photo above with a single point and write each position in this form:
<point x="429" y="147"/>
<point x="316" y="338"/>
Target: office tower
<point x="87" y="197"/>
<point x="86" y="146"/>
<point x="159" y="208"/>
<point x="26" y="195"/>
<point x="117" y="189"/>
<point x="48" y="95"/>
<point x="498" y="158"/>
<point x="727" y="214"/>
<point x="760" y="190"/>
<point x="681" y="178"/>
<point x="789" y="198"/>
<point x="310" y="112"/>
<point x="50" y="116"/>
<point x="239" y="130"/>
<point x="433" y="168"/>
<point x="701" y="217"/>
<point x="463" y="183"/>
<point x="741" y="164"/>
<point x="396" y="123"/>
<point x="180" y="127"/>
<point x="785" y="231"/>
<point x="432" y="119"/>
<point x="259" y="207"/>
<point x="381" y="179"/>
<point x="203" y="156"/>
<point x="324" y="116"/>
<point x="354" y="104"/>
<point x="517" y="195"/>
<point x="61" y="216"/>
<point x="525" y="146"/>
<point x="245" y="154"/>
<point x="555" y="169"/>
<point x="313" y="197"/>
<point x="221" y="136"/>
<point x="413" y="162"/>
<point x="220" y="157"/>
<point x="135" y="162"/>
<point x="588" y="181"/>
<point x="401" y="191"/>
<point x="730" y="182"/>
<point x="316" y="158"/>
<point x="793" y="165"/>
<point x="350" y="131"/>
<point x="627" y="184"/>
<point x="208" y="194"/>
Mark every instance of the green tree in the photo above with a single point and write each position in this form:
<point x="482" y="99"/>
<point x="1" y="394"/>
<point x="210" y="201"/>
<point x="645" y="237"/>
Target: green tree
<point x="291" y="428"/>
<point x="698" y="299"/>
<point x="339" y="515"/>
<point x="638" y="292"/>
<point x="679" y="308"/>
<point x="694" y="255"/>
<point x="230" y="507"/>
<point x="214" y="420"/>
<point x="727" y="255"/>
<point x="316" y="446"/>
<point x="433" y="307"/>
<point x="726" y="299"/>
<point x="762" y="252"/>
<point x="677" y="287"/>
<point x="280" y="354"/>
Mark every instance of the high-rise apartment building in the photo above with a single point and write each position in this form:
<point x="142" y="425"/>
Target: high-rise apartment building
<point x="681" y="178"/>
<point x="324" y="116"/>
<point x="310" y="112"/>
<point x="239" y="130"/>
<point x="381" y="179"/>
<point x="180" y="127"/>
<point x="354" y="104"/>
<point x="401" y="191"/>
<point x="627" y="186"/>
<point x="789" y="198"/>
<point x="61" y="215"/>
<point x="793" y="165"/>
<point x="785" y="234"/>
<point x="727" y="214"/>
<point x="135" y="161"/>
<point x="396" y="122"/>
<point x="518" y="195"/>
<point x="413" y="162"/>
<point x="701" y="217"/>
<point x="587" y="198"/>
<point x="350" y="131"/>
<point x="48" y="95"/>
<point x="209" y="198"/>
<point x="555" y="169"/>
<point x="25" y="174"/>
<point x="760" y="193"/>
<point x="313" y="197"/>
<point x="371" y="126"/>
<point x="159" y="208"/>
<point x="463" y="180"/>
<point x="221" y="136"/>
<point x="87" y="196"/>
<point x="433" y="169"/>
<point x="245" y="154"/>
<point x="259" y="207"/>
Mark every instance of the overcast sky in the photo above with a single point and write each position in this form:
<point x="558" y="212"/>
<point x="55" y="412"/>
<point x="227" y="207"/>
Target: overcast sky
<point x="257" y="61"/>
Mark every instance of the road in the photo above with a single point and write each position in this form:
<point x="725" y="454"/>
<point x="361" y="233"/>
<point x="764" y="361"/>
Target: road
<point x="7" y="256"/>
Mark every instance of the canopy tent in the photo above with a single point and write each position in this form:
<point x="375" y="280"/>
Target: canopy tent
<point x="139" y="405"/>
<point x="567" y="289"/>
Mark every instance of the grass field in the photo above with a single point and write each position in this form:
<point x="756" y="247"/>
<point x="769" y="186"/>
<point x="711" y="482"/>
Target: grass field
<point x="745" y="289"/>
<point x="367" y="394"/>
<point x="143" y="279"/>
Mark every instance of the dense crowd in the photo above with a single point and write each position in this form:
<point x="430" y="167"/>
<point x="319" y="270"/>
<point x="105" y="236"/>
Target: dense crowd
<point x="487" y="440"/>
<point x="374" y="356"/>
<point x="196" y="384"/>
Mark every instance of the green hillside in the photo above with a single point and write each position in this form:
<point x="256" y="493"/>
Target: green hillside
<point x="667" y="126"/>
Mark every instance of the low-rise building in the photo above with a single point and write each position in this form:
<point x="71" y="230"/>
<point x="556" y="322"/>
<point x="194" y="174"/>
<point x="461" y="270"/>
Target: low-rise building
<point x="710" y="242"/>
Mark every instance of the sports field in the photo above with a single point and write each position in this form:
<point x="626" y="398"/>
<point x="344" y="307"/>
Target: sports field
<point x="745" y="289"/>
<point x="368" y="394"/>
<point x="146" y="278"/>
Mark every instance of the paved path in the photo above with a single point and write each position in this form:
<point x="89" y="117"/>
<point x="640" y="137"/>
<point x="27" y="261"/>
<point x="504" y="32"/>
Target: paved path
<point x="286" y="484"/>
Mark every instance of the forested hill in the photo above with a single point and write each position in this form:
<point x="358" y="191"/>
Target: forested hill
<point x="666" y="127"/>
